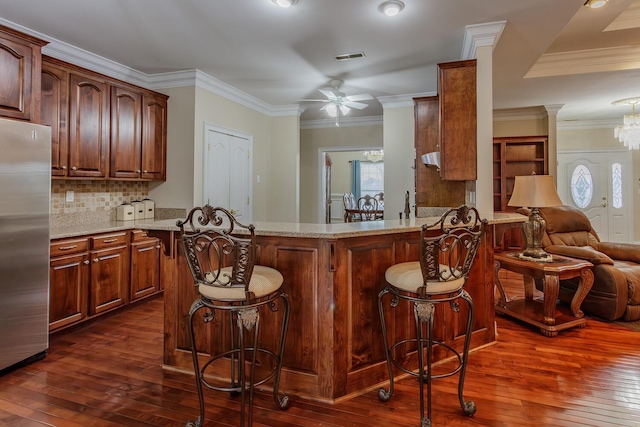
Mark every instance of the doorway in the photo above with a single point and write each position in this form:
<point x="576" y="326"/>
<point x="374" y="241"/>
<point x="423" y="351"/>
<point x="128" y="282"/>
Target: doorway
<point x="599" y="183"/>
<point x="335" y="179"/>
<point x="227" y="171"/>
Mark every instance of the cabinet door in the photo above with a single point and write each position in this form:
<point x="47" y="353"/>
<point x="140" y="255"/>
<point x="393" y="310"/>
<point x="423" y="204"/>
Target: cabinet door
<point x="88" y="127"/>
<point x="458" y="134"/>
<point x="54" y="110"/>
<point x="68" y="280"/>
<point x="126" y="133"/>
<point x="145" y="268"/>
<point x="109" y="278"/>
<point x="154" y="139"/>
<point x="20" y="63"/>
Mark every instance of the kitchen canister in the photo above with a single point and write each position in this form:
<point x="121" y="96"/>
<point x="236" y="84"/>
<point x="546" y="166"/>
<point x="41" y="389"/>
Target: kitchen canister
<point x="138" y="209"/>
<point x="125" y="212"/>
<point x="149" y="208"/>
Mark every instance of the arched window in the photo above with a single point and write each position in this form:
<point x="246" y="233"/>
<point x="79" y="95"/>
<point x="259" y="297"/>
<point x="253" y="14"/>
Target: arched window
<point x="581" y="186"/>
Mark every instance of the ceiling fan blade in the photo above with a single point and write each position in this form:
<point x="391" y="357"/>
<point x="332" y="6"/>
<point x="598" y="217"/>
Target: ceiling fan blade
<point x="313" y="100"/>
<point x="360" y="97"/>
<point x="356" y="105"/>
<point x="329" y="94"/>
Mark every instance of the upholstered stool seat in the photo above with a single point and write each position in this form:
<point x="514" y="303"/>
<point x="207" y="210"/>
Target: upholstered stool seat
<point x="232" y="288"/>
<point x="264" y="281"/>
<point x="446" y="254"/>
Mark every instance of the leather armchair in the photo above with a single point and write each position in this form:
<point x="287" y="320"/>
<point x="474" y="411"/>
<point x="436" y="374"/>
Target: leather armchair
<point x="616" y="266"/>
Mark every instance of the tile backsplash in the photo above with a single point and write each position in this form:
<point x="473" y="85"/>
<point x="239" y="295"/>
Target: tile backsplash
<point x="94" y="201"/>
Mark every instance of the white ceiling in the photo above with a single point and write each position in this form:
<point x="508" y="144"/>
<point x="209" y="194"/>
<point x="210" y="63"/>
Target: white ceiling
<point x="280" y="56"/>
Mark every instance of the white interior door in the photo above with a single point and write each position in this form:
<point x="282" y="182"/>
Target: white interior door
<point x="227" y="172"/>
<point x="600" y="185"/>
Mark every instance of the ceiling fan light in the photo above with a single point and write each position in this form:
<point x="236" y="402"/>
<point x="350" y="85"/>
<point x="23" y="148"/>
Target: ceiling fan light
<point x="344" y="110"/>
<point x="594" y="4"/>
<point x="332" y="110"/>
<point x="285" y="3"/>
<point x="391" y="7"/>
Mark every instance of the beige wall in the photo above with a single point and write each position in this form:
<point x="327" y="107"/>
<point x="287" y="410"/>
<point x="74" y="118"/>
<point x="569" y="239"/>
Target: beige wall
<point x="399" y="160"/>
<point x="529" y="127"/>
<point x="177" y="191"/>
<point x="311" y="142"/>
<point x="275" y="142"/>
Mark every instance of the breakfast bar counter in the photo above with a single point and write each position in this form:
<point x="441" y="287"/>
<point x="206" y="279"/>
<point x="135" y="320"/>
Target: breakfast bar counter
<point x="332" y="274"/>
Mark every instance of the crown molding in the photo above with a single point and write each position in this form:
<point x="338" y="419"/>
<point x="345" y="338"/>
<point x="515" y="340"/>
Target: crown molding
<point x="588" y="124"/>
<point x="586" y="61"/>
<point x="344" y="122"/>
<point x="397" y="101"/>
<point x="478" y="35"/>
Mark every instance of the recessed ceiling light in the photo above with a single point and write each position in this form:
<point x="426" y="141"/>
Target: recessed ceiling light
<point x="594" y="4"/>
<point x="391" y="7"/>
<point x="285" y="3"/>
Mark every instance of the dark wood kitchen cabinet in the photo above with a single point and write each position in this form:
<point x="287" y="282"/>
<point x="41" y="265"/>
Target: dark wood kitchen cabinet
<point x="102" y="128"/>
<point x="431" y="189"/>
<point x="126" y="133"/>
<point x="109" y="272"/>
<point x="458" y="125"/>
<point x="20" y="65"/>
<point x="55" y="113"/>
<point x="145" y="265"/>
<point x="68" y="281"/>
<point x="154" y="137"/>
<point x="138" y="134"/>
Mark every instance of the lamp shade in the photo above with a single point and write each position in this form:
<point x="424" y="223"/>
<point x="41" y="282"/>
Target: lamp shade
<point x="534" y="191"/>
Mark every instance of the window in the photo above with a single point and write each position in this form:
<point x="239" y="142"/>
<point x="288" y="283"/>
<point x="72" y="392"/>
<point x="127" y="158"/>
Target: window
<point x="581" y="186"/>
<point x="616" y="179"/>
<point x="371" y="178"/>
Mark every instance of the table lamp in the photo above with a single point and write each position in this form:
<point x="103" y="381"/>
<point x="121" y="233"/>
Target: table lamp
<point x="534" y="192"/>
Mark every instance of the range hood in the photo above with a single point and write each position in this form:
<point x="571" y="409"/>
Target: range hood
<point x="431" y="159"/>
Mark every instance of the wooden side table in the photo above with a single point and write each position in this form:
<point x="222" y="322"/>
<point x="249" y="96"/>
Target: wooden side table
<point x="546" y="316"/>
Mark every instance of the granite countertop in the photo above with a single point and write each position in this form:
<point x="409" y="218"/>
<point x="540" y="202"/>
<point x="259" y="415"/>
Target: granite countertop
<point x="284" y="229"/>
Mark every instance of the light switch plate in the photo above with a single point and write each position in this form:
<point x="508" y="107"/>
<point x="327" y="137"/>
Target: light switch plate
<point x="70" y="196"/>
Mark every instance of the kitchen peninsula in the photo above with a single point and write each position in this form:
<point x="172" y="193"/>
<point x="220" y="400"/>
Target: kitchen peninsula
<point x="332" y="274"/>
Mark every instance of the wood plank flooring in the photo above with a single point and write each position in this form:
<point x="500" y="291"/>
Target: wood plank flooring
<point x="109" y="374"/>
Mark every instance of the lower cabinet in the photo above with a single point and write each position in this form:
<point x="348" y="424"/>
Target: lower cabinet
<point x="68" y="279"/>
<point x="91" y="275"/>
<point x="145" y="265"/>
<point x="109" y="276"/>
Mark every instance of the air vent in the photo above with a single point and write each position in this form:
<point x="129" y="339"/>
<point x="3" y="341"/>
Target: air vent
<point x="347" y="56"/>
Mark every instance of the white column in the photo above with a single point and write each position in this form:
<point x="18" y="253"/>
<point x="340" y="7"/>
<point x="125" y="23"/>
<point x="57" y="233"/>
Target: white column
<point x="552" y="131"/>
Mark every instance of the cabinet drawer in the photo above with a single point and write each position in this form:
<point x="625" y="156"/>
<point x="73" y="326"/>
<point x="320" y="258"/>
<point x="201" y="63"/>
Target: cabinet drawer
<point x="68" y="246"/>
<point x="108" y="240"/>
<point x="141" y="236"/>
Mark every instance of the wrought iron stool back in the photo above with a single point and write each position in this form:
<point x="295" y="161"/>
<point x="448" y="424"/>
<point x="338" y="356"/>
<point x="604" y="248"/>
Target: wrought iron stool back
<point x="447" y="251"/>
<point x="221" y="253"/>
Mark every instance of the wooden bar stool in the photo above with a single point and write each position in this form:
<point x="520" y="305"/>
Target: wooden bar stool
<point x="221" y="258"/>
<point x="438" y="277"/>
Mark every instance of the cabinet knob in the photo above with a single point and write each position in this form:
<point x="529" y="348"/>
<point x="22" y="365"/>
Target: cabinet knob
<point x="96" y="260"/>
<point x="64" y="168"/>
<point x="86" y="261"/>
<point x="158" y="247"/>
<point x="138" y="171"/>
<point x="73" y="168"/>
<point x="145" y="171"/>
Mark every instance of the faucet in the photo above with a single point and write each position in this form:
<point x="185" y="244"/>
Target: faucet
<point x="407" y="209"/>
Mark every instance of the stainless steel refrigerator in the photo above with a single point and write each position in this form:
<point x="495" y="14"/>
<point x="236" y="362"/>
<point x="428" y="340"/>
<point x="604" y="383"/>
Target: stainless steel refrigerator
<point x="25" y="187"/>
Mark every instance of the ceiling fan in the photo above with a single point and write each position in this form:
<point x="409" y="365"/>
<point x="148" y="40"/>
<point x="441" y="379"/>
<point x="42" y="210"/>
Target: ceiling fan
<point x="338" y="103"/>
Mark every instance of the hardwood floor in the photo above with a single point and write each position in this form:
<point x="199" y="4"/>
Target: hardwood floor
<point x="109" y="374"/>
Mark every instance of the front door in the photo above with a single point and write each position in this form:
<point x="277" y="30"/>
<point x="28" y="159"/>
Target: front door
<point x="599" y="184"/>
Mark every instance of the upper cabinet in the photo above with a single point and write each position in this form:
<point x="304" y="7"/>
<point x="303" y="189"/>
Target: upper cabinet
<point x="102" y="128"/>
<point x="458" y="134"/>
<point x="20" y="64"/>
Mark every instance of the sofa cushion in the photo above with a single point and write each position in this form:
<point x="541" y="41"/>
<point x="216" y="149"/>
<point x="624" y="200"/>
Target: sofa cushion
<point x="631" y="272"/>
<point x="565" y="219"/>
<point x="586" y="253"/>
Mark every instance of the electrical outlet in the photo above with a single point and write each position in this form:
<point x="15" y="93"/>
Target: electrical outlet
<point x="70" y="196"/>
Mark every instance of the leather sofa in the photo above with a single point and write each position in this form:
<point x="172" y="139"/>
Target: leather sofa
<point x="616" y="288"/>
